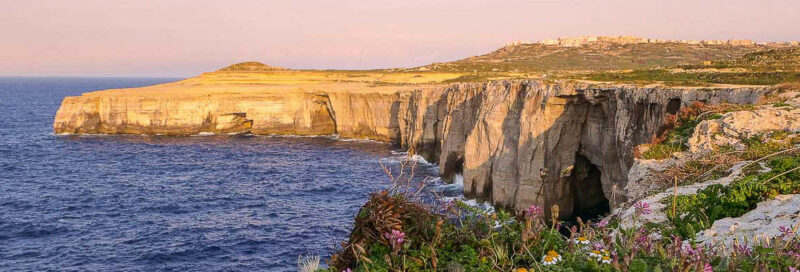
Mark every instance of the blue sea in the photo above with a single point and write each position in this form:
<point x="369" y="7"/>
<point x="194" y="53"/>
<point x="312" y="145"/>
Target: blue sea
<point x="161" y="203"/>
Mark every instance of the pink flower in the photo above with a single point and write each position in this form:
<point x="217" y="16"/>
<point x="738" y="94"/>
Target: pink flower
<point x="786" y="231"/>
<point x="708" y="268"/>
<point x="792" y="269"/>
<point x="534" y="211"/>
<point x="602" y="224"/>
<point x="396" y="238"/>
<point x="642" y="208"/>
<point x="743" y="249"/>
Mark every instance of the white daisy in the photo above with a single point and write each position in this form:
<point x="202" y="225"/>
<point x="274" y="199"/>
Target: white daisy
<point x="595" y="254"/>
<point x="581" y="240"/>
<point x="549" y="260"/>
<point x="554" y="254"/>
<point x="605" y="259"/>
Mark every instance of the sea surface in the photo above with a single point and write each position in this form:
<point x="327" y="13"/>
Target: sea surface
<point x="161" y="203"/>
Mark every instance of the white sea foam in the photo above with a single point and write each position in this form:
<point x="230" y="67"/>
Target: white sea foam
<point x="420" y="159"/>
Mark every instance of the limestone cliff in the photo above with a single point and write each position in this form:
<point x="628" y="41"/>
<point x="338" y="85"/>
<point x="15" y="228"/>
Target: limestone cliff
<point x="524" y="142"/>
<point x="517" y="142"/>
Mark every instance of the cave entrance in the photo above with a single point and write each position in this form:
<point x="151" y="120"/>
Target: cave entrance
<point x="588" y="202"/>
<point x="673" y="106"/>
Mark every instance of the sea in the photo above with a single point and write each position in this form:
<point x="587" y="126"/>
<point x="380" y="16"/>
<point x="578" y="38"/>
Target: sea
<point x="167" y="203"/>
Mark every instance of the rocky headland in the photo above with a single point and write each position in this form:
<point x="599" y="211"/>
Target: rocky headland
<point x="517" y="142"/>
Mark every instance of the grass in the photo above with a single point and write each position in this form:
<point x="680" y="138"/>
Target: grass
<point x="699" y="211"/>
<point x="696" y="78"/>
<point x="766" y="67"/>
<point x="452" y="236"/>
<point x="597" y="57"/>
<point x="395" y="231"/>
<point x="677" y="129"/>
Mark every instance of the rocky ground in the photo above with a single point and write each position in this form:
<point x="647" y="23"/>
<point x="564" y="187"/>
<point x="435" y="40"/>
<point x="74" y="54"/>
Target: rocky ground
<point x="774" y="122"/>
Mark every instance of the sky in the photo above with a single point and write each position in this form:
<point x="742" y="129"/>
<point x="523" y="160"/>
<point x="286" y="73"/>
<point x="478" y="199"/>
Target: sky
<point x="181" y="38"/>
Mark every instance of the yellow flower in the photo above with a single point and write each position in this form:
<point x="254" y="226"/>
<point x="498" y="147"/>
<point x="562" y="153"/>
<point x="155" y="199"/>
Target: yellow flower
<point x="522" y="270"/>
<point x="605" y="259"/>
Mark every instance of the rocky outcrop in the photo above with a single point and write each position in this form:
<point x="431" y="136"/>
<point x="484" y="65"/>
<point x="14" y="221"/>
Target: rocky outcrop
<point x="764" y="222"/>
<point x="656" y="201"/>
<point x="733" y="127"/>
<point x="517" y="142"/>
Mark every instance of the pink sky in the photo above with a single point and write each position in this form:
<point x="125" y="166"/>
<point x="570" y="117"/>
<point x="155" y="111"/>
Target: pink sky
<point x="188" y="37"/>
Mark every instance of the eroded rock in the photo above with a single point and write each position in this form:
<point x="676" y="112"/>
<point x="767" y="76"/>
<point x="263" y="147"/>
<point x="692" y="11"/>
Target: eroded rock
<point x="762" y="222"/>
<point x="736" y="126"/>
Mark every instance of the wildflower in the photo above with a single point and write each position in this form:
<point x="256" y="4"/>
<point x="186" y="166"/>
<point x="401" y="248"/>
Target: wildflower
<point x="347" y="270"/>
<point x="605" y="259"/>
<point x="642" y="208"/>
<point x="534" y="211"/>
<point x="785" y="231"/>
<point x="549" y="260"/>
<point x="522" y="270"/>
<point x="792" y="269"/>
<point x="396" y="238"/>
<point x="554" y="254"/>
<point x="602" y="224"/>
<point x="743" y="249"/>
<point x="708" y="268"/>
<point x="581" y="240"/>
<point x="598" y="246"/>
<point x="595" y="254"/>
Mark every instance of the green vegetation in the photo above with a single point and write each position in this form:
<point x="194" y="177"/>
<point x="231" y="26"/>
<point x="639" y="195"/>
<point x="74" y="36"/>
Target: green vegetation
<point x="677" y="130"/>
<point x="767" y="67"/>
<point x="595" y="57"/>
<point x="696" y="78"/>
<point x="698" y="211"/>
<point x="393" y="232"/>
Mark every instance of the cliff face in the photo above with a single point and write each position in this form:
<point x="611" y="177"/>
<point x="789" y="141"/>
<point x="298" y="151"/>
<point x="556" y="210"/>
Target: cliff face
<point x="520" y="143"/>
<point x="517" y="142"/>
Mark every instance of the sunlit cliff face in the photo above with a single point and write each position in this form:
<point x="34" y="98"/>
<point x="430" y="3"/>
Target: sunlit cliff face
<point x="499" y="134"/>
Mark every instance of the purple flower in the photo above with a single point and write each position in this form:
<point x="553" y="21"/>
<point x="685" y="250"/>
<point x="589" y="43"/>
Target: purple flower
<point x="691" y="252"/>
<point x="792" y="269"/>
<point x="598" y="246"/>
<point x="602" y="224"/>
<point x="534" y="211"/>
<point x="708" y="268"/>
<point x="786" y="231"/>
<point x="743" y="249"/>
<point x="642" y="208"/>
<point x="396" y="238"/>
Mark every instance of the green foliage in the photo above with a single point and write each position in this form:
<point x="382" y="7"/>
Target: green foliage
<point x="459" y="237"/>
<point x="679" y="130"/>
<point x="768" y="67"/>
<point x="698" y="211"/>
<point x="539" y="58"/>
<point x="696" y="78"/>
<point x="661" y="151"/>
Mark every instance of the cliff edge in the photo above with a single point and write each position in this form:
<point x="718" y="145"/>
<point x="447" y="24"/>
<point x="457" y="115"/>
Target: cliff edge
<point x="516" y="142"/>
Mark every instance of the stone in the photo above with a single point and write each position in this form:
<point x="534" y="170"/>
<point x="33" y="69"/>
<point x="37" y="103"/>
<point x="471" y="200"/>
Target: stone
<point x="736" y="126"/>
<point x="762" y="222"/>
